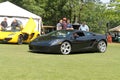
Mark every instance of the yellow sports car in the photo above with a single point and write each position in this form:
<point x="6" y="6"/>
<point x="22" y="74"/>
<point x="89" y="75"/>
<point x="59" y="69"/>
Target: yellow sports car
<point x="20" y="35"/>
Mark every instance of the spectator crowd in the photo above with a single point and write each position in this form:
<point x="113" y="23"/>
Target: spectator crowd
<point x="13" y="26"/>
<point x="65" y="24"/>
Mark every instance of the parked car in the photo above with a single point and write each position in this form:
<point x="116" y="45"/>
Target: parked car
<point x="115" y="36"/>
<point x="69" y="41"/>
<point x="19" y="35"/>
<point x="115" y="33"/>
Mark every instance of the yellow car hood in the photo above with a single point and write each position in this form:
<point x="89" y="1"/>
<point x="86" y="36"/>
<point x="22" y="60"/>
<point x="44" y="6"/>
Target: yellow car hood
<point x="4" y="34"/>
<point x="29" y="27"/>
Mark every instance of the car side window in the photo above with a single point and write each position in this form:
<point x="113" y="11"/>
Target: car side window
<point x="78" y="34"/>
<point x="81" y="34"/>
<point x="88" y="34"/>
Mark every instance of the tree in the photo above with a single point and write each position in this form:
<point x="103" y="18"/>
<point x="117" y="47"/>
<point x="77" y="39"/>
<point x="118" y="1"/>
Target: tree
<point x="96" y="14"/>
<point x="113" y="13"/>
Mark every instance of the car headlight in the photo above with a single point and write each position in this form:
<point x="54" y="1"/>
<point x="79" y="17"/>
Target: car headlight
<point x="54" y="42"/>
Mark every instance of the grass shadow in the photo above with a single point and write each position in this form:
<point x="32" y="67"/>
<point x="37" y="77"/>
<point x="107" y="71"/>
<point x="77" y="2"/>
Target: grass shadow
<point x="74" y="53"/>
<point x="14" y="44"/>
<point x="46" y="53"/>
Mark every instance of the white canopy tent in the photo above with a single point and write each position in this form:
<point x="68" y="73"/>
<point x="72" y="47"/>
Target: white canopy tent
<point x="115" y="29"/>
<point x="11" y="11"/>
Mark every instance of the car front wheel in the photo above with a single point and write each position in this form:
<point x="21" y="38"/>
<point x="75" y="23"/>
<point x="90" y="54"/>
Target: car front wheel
<point x="102" y="46"/>
<point x="65" y="48"/>
<point x="20" y="39"/>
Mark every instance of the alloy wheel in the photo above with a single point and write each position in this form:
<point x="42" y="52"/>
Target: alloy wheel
<point x="102" y="46"/>
<point x="65" y="48"/>
<point x="20" y="39"/>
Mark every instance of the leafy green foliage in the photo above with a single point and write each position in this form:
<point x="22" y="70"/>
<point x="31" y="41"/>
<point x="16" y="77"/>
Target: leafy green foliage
<point x="98" y="16"/>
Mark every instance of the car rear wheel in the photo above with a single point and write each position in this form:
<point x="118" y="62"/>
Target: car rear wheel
<point x="20" y="39"/>
<point x="102" y="46"/>
<point x="65" y="48"/>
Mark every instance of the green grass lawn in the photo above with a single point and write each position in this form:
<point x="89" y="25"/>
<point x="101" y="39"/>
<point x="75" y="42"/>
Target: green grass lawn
<point x="17" y="63"/>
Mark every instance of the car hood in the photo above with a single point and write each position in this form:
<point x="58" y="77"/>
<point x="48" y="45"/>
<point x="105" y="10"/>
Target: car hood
<point x="47" y="40"/>
<point x="29" y="27"/>
<point x="6" y="34"/>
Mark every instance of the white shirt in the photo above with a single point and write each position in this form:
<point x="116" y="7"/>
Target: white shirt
<point x="84" y="28"/>
<point x="59" y="26"/>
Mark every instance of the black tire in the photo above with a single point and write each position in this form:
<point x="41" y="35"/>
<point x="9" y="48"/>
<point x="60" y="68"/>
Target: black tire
<point x="20" y="39"/>
<point x="65" y="48"/>
<point x="102" y="46"/>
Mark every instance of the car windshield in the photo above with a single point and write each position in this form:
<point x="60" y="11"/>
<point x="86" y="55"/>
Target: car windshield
<point x="61" y="33"/>
<point x="9" y="29"/>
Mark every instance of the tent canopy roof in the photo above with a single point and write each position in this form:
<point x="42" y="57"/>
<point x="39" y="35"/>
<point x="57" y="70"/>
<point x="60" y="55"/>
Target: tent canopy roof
<point x="9" y="9"/>
<point x="115" y="28"/>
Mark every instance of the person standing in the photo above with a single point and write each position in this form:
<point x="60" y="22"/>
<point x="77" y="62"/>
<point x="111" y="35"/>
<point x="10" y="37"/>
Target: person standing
<point x="84" y="27"/>
<point x="0" y="27"/>
<point x="64" y="23"/>
<point x="4" y="23"/>
<point x="59" y="25"/>
<point x="109" y="38"/>
<point x="69" y="25"/>
<point x="14" y="24"/>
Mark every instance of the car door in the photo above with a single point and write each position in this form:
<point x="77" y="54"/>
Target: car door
<point x="91" y="39"/>
<point x="82" y="41"/>
<point x="79" y="41"/>
<point x="29" y="27"/>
